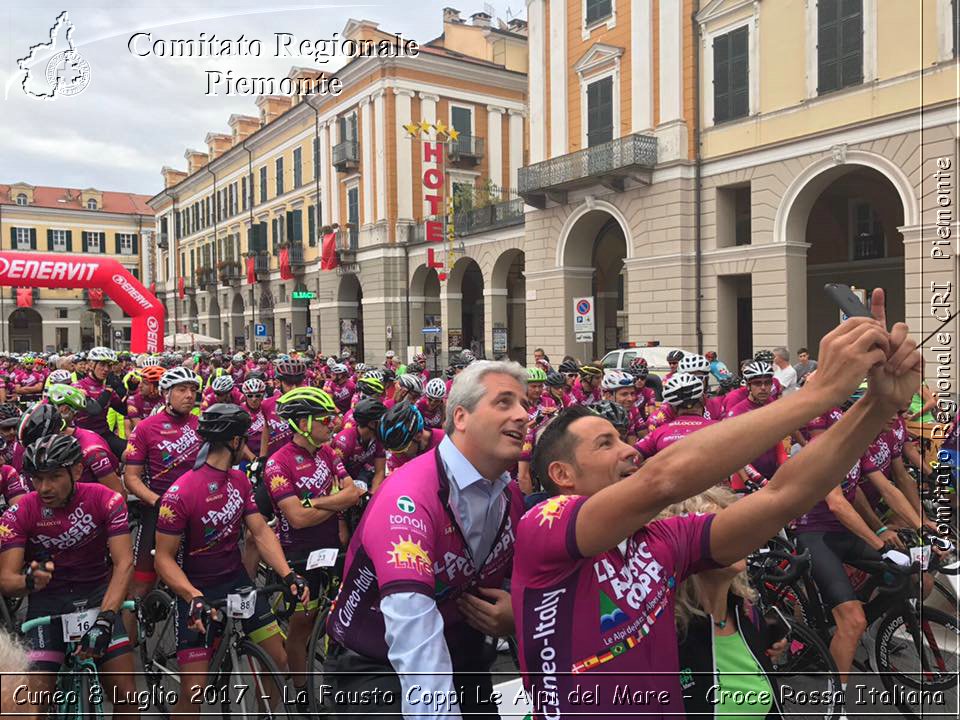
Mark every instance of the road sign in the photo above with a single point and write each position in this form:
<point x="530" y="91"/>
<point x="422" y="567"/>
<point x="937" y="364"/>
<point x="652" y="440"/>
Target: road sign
<point x="260" y="331"/>
<point x="584" y="337"/>
<point x="431" y="331"/>
<point x="583" y="314"/>
<point x="309" y="330"/>
<point x="389" y="332"/>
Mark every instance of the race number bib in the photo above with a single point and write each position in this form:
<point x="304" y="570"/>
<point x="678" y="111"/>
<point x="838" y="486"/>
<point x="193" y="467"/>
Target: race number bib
<point x="921" y="555"/>
<point x="241" y="606"/>
<point x="75" y="625"/>
<point x="325" y="557"/>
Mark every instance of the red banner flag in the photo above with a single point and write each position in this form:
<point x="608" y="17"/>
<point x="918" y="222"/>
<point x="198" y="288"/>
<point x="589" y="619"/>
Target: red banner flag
<point x="181" y="288"/>
<point x="251" y="271"/>
<point x="153" y="288"/>
<point x="24" y="297"/>
<point x="285" y="272"/>
<point x="328" y="255"/>
<point x="95" y="296"/>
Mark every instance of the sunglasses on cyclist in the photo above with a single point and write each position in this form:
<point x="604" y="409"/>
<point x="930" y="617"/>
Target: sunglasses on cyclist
<point x="254" y="396"/>
<point x="326" y="420"/>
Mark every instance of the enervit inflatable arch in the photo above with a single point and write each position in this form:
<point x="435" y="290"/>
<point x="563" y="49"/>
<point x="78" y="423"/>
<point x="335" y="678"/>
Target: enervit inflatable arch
<point x="19" y="269"/>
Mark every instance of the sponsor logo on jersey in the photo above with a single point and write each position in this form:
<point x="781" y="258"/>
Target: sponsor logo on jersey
<point x="406" y="504"/>
<point x="410" y="555"/>
<point x="552" y="509"/>
<point x="166" y="513"/>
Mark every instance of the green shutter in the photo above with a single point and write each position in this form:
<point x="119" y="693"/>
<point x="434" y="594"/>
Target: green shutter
<point x="33" y="238"/>
<point x="312" y="230"/>
<point x="49" y="241"/>
<point x="69" y="241"/>
<point x="136" y="244"/>
<point x="84" y="241"/>
<point x="13" y="238"/>
<point x="116" y="242"/>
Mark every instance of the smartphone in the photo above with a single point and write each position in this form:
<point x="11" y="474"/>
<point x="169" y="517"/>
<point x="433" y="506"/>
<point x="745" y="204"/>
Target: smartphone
<point x="845" y="299"/>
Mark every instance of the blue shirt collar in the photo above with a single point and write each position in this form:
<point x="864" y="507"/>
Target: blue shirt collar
<point x="461" y="471"/>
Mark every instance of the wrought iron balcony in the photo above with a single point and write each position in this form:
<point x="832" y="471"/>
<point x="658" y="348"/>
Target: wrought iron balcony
<point x="465" y="147"/>
<point x="296" y="256"/>
<point x="348" y="239"/>
<point x="231" y="271"/>
<point x="346" y="155"/>
<point x="206" y="278"/>
<point x="491" y="217"/>
<point x="609" y="164"/>
<point x="261" y="266"/>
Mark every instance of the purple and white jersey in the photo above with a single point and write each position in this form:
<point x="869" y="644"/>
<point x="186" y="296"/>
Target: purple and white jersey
<point x="666" y="435"/>
<point x="166" y="445"/>
<point x="98" y="459"/>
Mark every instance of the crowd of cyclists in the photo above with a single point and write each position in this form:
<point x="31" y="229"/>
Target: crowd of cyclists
<point x="487" y="502"/>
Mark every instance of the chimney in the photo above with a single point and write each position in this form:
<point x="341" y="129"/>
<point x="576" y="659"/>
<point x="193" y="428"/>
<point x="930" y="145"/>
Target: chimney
<point x="303" y="84"/>
<point x="171" y="176"/>
<point x="480" y="19"/>
<point x="195" y="160"/>
<point x="451" y="15"/>
<point x="272" y="106"/>
<point x="242" y="127"/>
<point x="218" y="144"/>
<point x="518" y="26"/>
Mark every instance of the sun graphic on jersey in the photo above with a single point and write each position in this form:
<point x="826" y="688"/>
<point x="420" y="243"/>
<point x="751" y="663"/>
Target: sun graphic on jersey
<point x="409" y="555"/>
<point x="277" y="482"/>
<point x="5" y="532"/>
<point x="552" y="509"/>
<point x="167" y="513"/>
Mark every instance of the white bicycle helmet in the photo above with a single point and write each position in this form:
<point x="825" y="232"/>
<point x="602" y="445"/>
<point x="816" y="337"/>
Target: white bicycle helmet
<point x="682" y="388"/>
<point x="411" y="383"/>
<point x="144" y="361"/>
<point x="339" y="368"/>
<point x="222" y="384"/>
<point x="436" y="389"/>
<point x="178" y="376"/>
<point x="756" y="370"/>
<point x="331" y="362"/>
<point x="691" y="363"/>
<point x="374" y="375"/>
<point x="253" y="386"/>
<point x="360" y="368"/>
<point x="237" y="358"/>
<point x="615" y="380"/>
<point x="102" y="354"/>
<point x="60" y="377"/>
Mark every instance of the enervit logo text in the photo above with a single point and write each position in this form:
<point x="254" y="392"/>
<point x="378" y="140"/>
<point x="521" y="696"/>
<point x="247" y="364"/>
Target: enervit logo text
<point x="24" y="269"/>
<point x="132" y="292"/>
<point x="153" y="333"/>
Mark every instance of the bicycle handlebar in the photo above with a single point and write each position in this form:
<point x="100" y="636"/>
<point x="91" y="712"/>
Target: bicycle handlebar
<point x="289" y="607"/>
<point x="48" y="619"/>
<point x="798" y="565"/>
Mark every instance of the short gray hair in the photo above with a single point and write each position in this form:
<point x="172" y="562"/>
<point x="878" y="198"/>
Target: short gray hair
<point x="468" y="389"/>
<point x="782" y="352"/>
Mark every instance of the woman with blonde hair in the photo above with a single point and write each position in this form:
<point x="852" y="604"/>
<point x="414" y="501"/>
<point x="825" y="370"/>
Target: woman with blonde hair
<point x="725" y="645"/>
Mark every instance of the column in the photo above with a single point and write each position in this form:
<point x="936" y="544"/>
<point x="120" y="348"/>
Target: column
<point x="495" y="312"/>
<point x="380" y="119"/>
<point x="536" y="29"/>
<point x="672" y="131"/>
<point x="516" y="146"/>
<point x="495" y="144"/>
<point x="451" y="318"/>
<point x="558" y="78"/>
<point x="550" y="296"/>
<point x="404" y="156"/>
<point x="428" y="112"/>
<point x="333" y="178"/>
<point x="324" y="162"/>
<point x="366" y="161"/>
<point x="641" y="66"/>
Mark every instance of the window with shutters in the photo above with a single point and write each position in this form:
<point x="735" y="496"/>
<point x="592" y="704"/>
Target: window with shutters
<point x="279" y="164"/>
<point x="23" y="238"/>
<point x="731" y="75"/>
<point x="347" y="127"/>
<point x="95" y="242"/>
<point x="58" y="240"/>
<point x="600" y="112"/>
<point x="353" y="206"/>
<point x="312" y="216"/>
<point x="297" y="167"/>
<point x="243" y="193"/>
<point x="461" y="118"/>
<point x="263" y="184"/>
<point x="839" y="44"/>
<point x="597" y="10"/>
<point x="126" y="243"/>
<point x="867" y="241"/>
<point x="21" y="199"/>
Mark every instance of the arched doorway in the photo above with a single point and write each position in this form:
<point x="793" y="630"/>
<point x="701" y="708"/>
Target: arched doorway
<point x="213" y="321"/>
<point x="466" y="280"/>
<point x="592" y="255"/>
<point x="509" y="288"/>
<point x="193" y="315"/>
<point x="350" y="315"/>
<point x="425" y="312"/>
<point x="25" y="330"/>
<point x="239" y="337"/>
<point x="95" y="329"/>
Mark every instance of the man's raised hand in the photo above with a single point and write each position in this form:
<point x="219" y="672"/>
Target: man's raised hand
<point x="847" y="353"/>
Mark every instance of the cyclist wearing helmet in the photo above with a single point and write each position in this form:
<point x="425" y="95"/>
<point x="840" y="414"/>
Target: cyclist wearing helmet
<point x="253" y="390"/>
<point x="409" y="388"/>
<point x="12" y="453"/>
<point x="418" y="367"/>
<point x="690" y="364"/>
<point x="556" y="388"/>
<point x="201" y="516"/>
<point x="540" y="406"/>
<point x="75" y="539"/>
<point x="303" y="477"/>
<point x="403" y="436"/>
<point x="221" y="389"/>
<point x="759" y="379"/>
<point x="586" y="388"/>
<point x="106" y="392"/>
<point x="616" y="414"/>
<point x="431" y="405"/>
<point x="357" y="445"/>
<point x="26" y="383"/>
<point x="58" y="377"/>
<point x="390" y="360"/>
<point x="340" y="387"/>
<point x="684" y="393"/>
<point x="291" y="375"/>
<point x="142" y="403"/>
<point x="370" y="385"/>
<point x="389" y="386"/>
<point x="160" y="450"/>
<point x="620" y="387"/>
<point x="673" y="360"/>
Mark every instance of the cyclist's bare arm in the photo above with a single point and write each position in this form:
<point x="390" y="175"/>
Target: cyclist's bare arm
<point x="264" y="440"/>
<point x="112" y="481"/>
<point x="912" y="455"/>
<point x="12" y="581"/>
<point x="121" y="554"/>
<point x="133" y="481"/>
<point x="894" y="499"/>
<point x="379" y="472"/>
<point x="866" y="511"/>
<point x="850" y="518"/>
<point x="169" y="571"/>
<point x="907" y="485"/>
<point x="267" y="544"/>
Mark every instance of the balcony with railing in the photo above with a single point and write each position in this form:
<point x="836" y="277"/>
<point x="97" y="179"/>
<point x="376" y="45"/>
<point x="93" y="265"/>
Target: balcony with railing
<point x="346" y="155"/>
<point x="465" y="147"/>
<point x="261" y="266"/>
<point x="348" y="240"/>
<point x="206" y="278"/>
<point x="296" y="256"/>
<point x="483" y="210"/>
<point x="231" y="271"/>
<point x="608" y="164"/>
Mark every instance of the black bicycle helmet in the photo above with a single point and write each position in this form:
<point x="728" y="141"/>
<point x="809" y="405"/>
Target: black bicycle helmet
<point x="51" y="453"/>
<point x="569" y="366"/>
<point x="555" y="379"/>
<point x="389" y="375"/>
<point x="614" y="412"/>
<point x="222" y="422"/>
<point x="765" y="356"/>
<point x="369" y="410"/>
<point x="40" y="421"/>
<point x="399" y="426"/>
<point x="9" y="415"/>
<point x="674" y="356"/>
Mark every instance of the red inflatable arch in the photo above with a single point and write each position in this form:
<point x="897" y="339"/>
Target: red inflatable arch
<point x="19" y="269"/>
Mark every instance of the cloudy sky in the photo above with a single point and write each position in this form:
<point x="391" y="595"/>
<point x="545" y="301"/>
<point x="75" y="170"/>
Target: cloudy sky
<point x="140" y="113"/>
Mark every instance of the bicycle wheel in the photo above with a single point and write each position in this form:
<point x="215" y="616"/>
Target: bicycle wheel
<point x="917" y="659"/>
<point x="158" y="655"/>
<point x="316" y="656"/>
<point x="255" y="689"/>
<point x="806" y="670"/>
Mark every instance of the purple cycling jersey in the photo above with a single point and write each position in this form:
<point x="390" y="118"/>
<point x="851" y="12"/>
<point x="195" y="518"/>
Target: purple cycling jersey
<point x="607" y="619"/>
<point x="767" y="462"/>
<point x="877" y="458"/>
<point x="255" y="431"/>
<point x="166" y="445"/>
<point x="74" y="537"/>
<point x="409" y="541"/>
<point x="432" y="418"/>
<point x="94" y="390"/>
<point x="395" y="461"/>
<point x="207" y="507"/>
<point x="296" y="472"/>
<point x="821" y="423"/>
<point x="666" y="435"/>
<point x="210" y="398"/>
<point x="98" y="459"/>
<point x="140" y="407"/>
<point x="12" y="485"/>
<point x="741" y="393"/>
<point x="356" y="455"/>
<point x="341" y="394"/>
<point x="278" y="429"/>
<point x="820" y="517"/>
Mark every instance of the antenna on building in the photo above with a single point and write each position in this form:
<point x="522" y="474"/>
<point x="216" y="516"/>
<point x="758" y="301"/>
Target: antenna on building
<point x="509" y="13"/>
<point x="489" y="10"/>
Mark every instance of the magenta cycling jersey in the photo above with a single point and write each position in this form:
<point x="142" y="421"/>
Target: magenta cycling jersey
<point x="25" y="378"/>
<point x="255" y="431"/>
<point x="878" y="458"/>
<point x="140" y="407"/>
<point x="11" y="484"/>
<point x="431" y="418"/>
<point x="395" y="461"/>
<point x="14" y="455"/>
<point x="210" y="397"/>
<point x="341" y="394"/>
<point x="820" y="517"/>
<point x="74" y="537"/>
<point x="767" y="462"/>
<point x="666" y="435"/>
<point x="94" y="391"/>
<point x="356" y="455"/>
<point x="166" y="445"/>
<point x="295" y="472"/>
<point x="821" y="422"/>
<point x="605" y="621"/>
<point x="98" y="459"/>
<point x="409" y="541"/>
<point x="278" y="430"/>
<point x="740" y="394"/>
<point x="583" y="397"/>
<point x="207" y="507"/>
<point x="646" y="401"/>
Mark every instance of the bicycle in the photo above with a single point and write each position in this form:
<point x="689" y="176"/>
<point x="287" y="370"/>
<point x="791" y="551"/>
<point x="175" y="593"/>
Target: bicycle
<point x="78" y="681"/>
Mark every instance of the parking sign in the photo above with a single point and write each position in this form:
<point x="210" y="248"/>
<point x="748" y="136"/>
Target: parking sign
<point x="583" y="314"/>
<point x="260" y="330"/>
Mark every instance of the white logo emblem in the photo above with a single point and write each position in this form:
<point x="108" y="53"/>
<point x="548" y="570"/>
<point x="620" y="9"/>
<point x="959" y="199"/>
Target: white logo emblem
<point x="55" y="67"/>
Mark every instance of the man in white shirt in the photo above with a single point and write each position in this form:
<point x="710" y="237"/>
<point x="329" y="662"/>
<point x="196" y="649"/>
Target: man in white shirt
<point x="784" y="371"/>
